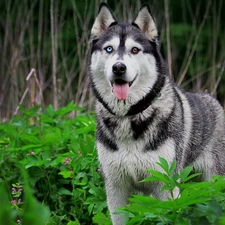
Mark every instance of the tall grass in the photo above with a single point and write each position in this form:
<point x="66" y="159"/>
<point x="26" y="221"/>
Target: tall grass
<point x="51" y="39"/>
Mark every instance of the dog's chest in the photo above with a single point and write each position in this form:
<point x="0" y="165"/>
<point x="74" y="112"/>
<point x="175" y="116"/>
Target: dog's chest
<point x="130" y="161"/>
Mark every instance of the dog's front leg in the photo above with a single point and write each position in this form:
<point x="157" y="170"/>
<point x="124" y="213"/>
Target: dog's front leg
<point x="117" y="196"/>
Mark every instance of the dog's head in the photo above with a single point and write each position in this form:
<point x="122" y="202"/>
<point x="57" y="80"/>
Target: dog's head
<point x="125" y="63"/>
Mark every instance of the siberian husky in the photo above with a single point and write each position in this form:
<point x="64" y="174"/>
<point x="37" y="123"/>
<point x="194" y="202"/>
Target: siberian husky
<point x="142" y="114"/>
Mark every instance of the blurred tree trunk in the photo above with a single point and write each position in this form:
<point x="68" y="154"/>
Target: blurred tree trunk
<point x="54" y="53"/>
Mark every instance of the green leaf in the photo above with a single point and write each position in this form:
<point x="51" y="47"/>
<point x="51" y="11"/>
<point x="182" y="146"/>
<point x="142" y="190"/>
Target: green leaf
<point x="90" y="208"/>
<point x="99" y="206"/>
<point x="135" y="220"/>
<point x="57" y="161"/>
<point x="49" y="111"/>
<point x="163" y="164"/>
<point x="5" y="141"/>
<point x="97" y="191"/>
<point x="185" y="172"/>
<point x="157" y="176"/>
<point x="30" y="147"/>
<point x="192" y="176"/>
<point x="63" y="191"/>
<point x="66" y="174"/>
<point x="67" y="109"/>
<point x="101" y="219"/>
<point x="172" y="168"/>
<point x="73" y="223"/>
<point x="175" y="177"/>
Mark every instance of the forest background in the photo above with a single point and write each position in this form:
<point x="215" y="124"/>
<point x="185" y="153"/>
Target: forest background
<point x="44" y="46"/>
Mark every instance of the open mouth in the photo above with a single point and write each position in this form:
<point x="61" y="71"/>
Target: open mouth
<point x="120" y="81"/>
<point x="121" y="88"/>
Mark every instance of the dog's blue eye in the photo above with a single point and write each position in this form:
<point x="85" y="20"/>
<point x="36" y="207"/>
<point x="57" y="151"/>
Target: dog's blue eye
<point x="109" y="49"/>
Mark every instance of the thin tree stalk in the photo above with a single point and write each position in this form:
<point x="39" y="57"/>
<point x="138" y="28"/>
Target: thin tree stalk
<point x="54" y="57"/>
<point x="218" y="79"/>
<point x="216" y="26"/>
<point x="167" y="18"/>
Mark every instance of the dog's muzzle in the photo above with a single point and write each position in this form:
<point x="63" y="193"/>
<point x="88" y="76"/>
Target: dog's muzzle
<point x="120" y="85"/>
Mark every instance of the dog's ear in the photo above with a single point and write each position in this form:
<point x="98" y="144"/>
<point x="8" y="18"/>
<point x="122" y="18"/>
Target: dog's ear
<point x="146" y="23"/>
<point x="103" y="20"/>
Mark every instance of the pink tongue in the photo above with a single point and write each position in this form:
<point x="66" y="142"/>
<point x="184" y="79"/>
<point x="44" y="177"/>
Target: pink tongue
<point x="121" y="91"/>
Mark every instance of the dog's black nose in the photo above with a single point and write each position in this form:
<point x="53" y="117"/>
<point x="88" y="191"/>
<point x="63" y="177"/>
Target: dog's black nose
<point x="119" y="68"/>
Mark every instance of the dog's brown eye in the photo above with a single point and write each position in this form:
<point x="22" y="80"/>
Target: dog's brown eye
<point x="135" y="50"/>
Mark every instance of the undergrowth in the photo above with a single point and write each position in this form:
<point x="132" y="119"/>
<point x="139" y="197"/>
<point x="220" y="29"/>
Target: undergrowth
<point x="49" y="175"/>
<point x="49" y="162"/>
<point x="198" y="203"/>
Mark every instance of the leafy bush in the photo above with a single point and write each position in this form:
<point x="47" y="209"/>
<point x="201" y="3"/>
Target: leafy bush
<point x="47" y="157"/>
<point x="198" y="202"/>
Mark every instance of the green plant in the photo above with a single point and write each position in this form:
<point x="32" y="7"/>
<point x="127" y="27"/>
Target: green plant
<point x="198" y="202"/>
<point x="57" y="154"/>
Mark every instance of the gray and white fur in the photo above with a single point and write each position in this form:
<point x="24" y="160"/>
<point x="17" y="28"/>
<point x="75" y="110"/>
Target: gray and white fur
<point x="147" y="116"/>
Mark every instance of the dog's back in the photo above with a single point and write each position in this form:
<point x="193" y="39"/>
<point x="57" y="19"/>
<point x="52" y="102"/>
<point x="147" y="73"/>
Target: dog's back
<point x="207" y="141"/>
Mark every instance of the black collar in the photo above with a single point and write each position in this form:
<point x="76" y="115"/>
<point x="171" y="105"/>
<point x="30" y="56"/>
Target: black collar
<point x="147" y="100"/>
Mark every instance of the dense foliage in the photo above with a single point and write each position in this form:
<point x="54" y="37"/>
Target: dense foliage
<point x="51" y="157"/>
<point x="49" y="174"/>
<point x="201" y="203"/>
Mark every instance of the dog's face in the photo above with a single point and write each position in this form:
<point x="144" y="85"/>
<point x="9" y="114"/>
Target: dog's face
<point x="123" y="63"/>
